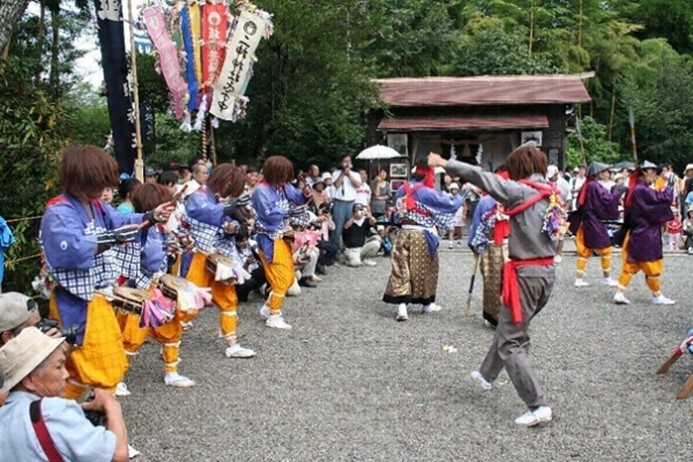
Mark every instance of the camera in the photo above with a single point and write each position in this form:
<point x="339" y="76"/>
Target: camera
<point x="97" y="419"/>
<point x="70" y="333"/>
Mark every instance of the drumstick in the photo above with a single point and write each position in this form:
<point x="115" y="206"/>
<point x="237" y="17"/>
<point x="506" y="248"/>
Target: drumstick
<point x="687" y="388"/>
<point x="670" y="362"/>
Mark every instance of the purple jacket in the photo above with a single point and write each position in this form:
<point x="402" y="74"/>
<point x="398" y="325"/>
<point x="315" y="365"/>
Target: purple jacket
<point x="648" y="210"/>
<point x="599" y="205"/>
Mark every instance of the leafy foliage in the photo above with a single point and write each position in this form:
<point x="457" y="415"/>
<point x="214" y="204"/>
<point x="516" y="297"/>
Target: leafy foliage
<point x="593" y="146"/>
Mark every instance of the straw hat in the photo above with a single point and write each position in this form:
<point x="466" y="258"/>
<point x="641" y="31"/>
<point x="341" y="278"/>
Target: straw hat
<point x="688" y="167"/>
<point x="21" y="355"/>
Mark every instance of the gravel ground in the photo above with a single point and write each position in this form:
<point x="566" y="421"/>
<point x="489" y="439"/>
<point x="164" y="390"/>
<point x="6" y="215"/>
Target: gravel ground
<point x="350" y="384"/>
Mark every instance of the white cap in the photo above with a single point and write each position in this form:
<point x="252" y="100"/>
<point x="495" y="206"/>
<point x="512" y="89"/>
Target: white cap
<point x="552" y="171"/>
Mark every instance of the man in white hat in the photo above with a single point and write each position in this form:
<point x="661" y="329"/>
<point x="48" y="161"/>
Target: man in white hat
<point x="36" y="424"/>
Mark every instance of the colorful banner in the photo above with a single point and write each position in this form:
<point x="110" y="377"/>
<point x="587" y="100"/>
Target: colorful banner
<point x="215" y="24"/>
<point x="228" y="102"/>
<point x="188" y="45"/>
<point x="194" y="12"/>
<point x="115" y="72"/>
<point x="168" y="59"/>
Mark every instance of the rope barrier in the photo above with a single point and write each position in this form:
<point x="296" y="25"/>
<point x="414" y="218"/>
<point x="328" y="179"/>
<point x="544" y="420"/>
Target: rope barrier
<point x="17" y="260"/>
<point x="15" y="220"/>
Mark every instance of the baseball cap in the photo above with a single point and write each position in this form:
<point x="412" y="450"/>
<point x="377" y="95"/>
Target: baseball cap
<point x="24" y="353"/>
<point x="15" y="310"/>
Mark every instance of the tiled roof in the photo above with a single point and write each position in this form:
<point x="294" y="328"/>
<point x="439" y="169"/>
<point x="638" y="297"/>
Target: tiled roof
<point x="484" y="90"/>
<point x="460" y="123"/>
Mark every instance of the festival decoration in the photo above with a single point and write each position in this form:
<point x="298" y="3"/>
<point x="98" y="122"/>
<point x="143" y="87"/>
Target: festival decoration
<point x="229" y="102"/>
<point x="168" y="58"/>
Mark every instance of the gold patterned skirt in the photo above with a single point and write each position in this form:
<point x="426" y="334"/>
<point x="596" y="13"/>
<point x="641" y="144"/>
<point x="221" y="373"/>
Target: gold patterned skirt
<point x="491" y="270"/>
<point x="414" y="273"/>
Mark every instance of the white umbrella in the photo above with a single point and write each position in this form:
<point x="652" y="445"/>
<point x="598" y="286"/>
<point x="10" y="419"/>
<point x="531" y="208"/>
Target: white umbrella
<point x="378" y="152"/>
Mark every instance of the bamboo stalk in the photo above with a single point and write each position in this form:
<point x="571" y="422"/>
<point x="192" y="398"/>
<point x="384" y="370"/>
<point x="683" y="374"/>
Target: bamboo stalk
<point x="139" y="162"/>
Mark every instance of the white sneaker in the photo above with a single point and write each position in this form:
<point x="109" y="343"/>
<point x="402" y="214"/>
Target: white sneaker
<point x="369" y="262"/>
<point x="451" y="245"/>
<point x="431" y="308"/>
<point x="316" y="278"/>
<point x="662" y="300"/>
<point x="481" y="381"/>
<point x="557" y="259"/>
<point x="532" y="418"/>
<point x="294" y="290"/>
<point x="621" y="299"/>
<point x="132" y="452"/>
<point x="237" y="351"/>
<point x="174" y="379"/>
<point x="402" y="314"/>
<point x="580" y="283"/>
<point x="609" y="282"/>
<point x="264" y="312"/>
<point x="459" y="244"/>
<point x="277" y="322"/>
<point x="122" y="389"/>
<point x="186" y="325"/>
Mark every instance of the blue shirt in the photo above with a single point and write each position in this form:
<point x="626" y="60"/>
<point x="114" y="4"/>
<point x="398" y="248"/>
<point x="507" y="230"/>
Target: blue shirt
<point x="74" y="437"/>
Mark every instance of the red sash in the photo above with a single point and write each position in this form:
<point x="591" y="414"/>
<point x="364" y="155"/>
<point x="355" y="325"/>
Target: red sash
<point x="511" y="291"/>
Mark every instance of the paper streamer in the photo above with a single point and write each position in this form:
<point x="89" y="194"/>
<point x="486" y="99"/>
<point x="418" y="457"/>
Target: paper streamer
<point x="168" y="59"/>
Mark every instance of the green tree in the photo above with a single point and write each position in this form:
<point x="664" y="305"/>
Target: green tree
<point x="310" y="87"/>
<point x="663" y="109"/>
<point x="593" y="146"/>
<point x="668" y="19"/>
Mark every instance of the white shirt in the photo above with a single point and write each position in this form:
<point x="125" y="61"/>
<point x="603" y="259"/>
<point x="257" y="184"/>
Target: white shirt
<point x="74" y="437"/>
<point x="363" y="194"/>
<point x="347" y="191"/>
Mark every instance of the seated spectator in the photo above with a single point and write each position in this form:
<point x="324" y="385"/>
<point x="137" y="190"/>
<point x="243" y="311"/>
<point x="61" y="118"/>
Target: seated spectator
<point x="36" y="424"/>
<point x="17" y="312"/>
<point x="306" y="255"/>
<point x="324" y="224"/>
<point x="359" y="245"/>
<point x="320" y="194"/>
<point x="247" y="257"/>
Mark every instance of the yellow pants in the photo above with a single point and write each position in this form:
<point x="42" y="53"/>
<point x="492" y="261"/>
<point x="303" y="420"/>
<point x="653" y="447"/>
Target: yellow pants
<point x="168" y="336"/>
<point x="584" y="252"/>
<point x="100" y="361"/>
<point x="280" y="274"/>
<point x="223" y="295"/>
<point x="652" y="269"/>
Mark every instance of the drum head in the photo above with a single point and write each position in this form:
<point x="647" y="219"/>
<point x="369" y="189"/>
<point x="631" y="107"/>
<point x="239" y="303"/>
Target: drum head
<point x="134" y="295"/>
<point x="174" y="282"/>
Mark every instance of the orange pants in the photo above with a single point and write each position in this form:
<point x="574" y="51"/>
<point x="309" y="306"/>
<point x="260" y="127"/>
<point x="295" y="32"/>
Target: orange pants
<point x="100" y="361"/>
<point x="584" y="252"/>
<point x="168" y="336"/>
<point x="652" y="269"/>
<point x="223" y="295"/>
<point x="280" y="274"/>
